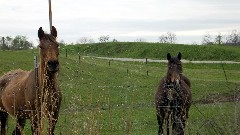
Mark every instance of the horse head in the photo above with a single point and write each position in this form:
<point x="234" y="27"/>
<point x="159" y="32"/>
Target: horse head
<point x="49" y="50"/>
<point x="174" y="72"/>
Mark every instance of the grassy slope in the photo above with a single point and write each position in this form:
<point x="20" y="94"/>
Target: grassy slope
<point x="157" y="50"/>
<point x="99" y="98"/>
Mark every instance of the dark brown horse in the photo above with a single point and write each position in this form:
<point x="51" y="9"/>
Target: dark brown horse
<point x="173" y="98"/>
<point x="33" y="94"/>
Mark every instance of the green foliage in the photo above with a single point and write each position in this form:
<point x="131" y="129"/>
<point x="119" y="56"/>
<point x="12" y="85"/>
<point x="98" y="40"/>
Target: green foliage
<point x="16" y="43"/>
<point x="20" y="43"/>
<point x="5" y="42"/>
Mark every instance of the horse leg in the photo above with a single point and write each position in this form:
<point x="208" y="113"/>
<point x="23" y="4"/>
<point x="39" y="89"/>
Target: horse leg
<point x="178" y="125"/>
<point x="53" y="113"/>
<point x="168" y="127"/>
<point x="19" y="127"/>
<point x="34" y="127"/>
<point x="160" y="118"/>
<point x="35" y="122"/>
<point x="168" y="123"/>
<point x="3" y="118"/>
<point x="183" y="122"/>
<point x="52" y="122"/>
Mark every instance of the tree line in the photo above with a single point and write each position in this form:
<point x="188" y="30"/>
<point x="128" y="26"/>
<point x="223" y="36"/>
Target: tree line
<point x="233" y="38"/>
<point x="16" y="43"/>
<point x="22" y="42"/>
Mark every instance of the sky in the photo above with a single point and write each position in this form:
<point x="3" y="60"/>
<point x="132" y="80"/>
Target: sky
<point x="124" y="20"/>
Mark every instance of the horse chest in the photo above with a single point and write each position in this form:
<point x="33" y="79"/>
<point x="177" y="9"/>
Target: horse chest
<point x="170" y="95"/>
<point x="173" y="98"/>
<point x="51" y="98"/>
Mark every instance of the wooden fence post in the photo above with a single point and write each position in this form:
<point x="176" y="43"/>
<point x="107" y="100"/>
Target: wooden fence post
<point x="66" y="53"/>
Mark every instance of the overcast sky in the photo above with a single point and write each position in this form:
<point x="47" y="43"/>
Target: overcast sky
<point x="124" y="20"/>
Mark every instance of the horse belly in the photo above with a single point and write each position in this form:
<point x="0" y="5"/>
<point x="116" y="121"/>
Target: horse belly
<point x="13" y="100"/>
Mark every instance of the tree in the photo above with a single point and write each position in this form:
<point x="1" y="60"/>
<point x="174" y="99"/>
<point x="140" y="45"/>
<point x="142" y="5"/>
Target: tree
<point x="219" y="39"/>
<point x="20" y="43"/>
<point x="233" y="38"/>
<point x="91" y="40"/>
<point x="5" y="42"/>
<point x="8" y="41"/>
<point x="82" y="40"/>
<point x="140" y="40"/>
<point x="103" y="39"/>
<point x="207" y="39"/>
<point x="163" y="39"/>
<point x="85" y="40"/>
<point x="114" y="40"/>
<point x="169" y="38"/>
<point x="172" y="38"/>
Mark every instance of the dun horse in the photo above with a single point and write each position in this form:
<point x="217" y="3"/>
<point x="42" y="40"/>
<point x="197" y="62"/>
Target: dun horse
<point x="173" y="98"/>
<point x="33" y="94"/>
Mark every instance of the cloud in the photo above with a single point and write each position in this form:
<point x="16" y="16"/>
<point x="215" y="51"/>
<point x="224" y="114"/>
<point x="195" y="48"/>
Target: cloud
<point x="125" y="19"/>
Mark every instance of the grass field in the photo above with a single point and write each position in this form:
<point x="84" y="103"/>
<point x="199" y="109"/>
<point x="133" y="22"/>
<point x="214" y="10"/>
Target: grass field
<point x="118" y="99"/>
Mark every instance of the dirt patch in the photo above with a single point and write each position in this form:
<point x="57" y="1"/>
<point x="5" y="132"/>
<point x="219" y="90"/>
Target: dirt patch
<point x="221" y="97"/>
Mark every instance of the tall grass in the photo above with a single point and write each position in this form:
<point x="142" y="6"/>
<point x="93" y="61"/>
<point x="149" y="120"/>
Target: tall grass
<point x="118" y="99"/>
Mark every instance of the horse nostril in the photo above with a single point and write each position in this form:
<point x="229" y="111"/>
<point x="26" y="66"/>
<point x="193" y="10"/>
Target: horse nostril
<point x="50" y="63"/>
<point x="53" y="66"/>
<point x="55" y="63"/>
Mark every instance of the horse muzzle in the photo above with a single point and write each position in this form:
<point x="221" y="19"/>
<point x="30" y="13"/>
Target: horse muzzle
<point x="175" y="80"/>
<point x="53" y="66"/>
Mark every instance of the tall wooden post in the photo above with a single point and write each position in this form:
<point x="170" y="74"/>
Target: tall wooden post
<point x="50" y="14"/>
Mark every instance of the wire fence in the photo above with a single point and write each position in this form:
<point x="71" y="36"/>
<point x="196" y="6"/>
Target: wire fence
<point x="215" y="114"/>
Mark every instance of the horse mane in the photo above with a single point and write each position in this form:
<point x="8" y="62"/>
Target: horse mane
<point x="49" y="37"/>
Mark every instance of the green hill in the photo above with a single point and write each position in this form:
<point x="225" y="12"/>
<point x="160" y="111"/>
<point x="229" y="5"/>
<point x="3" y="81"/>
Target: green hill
<point x="156" y="50"/>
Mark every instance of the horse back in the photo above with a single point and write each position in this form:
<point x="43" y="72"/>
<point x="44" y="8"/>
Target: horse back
<point x="13" y="86"/>
<point x="186" y="80"/>
<point x="9" y="79"/>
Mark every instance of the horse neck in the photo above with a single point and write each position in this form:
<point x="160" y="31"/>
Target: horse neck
<point x="172" y="85"/>
<point x="45" y="80"/>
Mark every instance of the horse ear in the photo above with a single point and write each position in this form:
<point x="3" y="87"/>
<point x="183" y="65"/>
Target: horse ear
<point x="40" y="33"/>
<point x="168" y="56"/>
<point x="179" y="56"/>
<point x="54" y="32"/>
